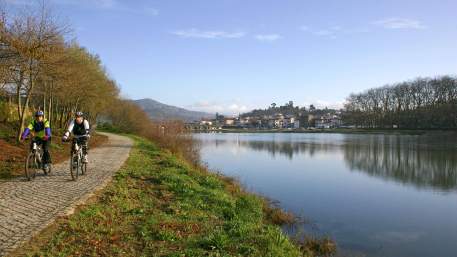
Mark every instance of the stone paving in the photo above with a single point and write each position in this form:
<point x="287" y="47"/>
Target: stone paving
<point x="27" y="207"/>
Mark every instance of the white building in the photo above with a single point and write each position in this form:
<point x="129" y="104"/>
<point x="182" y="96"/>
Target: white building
<point x="206" y="122"/>
<point x="328" y="121"/>
<point x="296" y="124"/>
<point x="229" y="122"/>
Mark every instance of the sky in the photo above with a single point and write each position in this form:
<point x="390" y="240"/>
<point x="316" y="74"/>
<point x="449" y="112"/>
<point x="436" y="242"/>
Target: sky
<point x="231" y="56"/>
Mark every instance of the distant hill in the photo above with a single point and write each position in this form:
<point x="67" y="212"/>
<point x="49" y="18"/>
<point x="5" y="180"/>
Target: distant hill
<point x="160" y="111"/>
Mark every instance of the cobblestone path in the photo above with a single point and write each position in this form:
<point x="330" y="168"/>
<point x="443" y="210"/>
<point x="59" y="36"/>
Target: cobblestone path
<point x="28" y="207"/>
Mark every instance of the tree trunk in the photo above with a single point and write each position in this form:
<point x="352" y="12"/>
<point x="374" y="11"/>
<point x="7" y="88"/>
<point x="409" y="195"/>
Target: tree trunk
<point x="44" y="99"/>
<point x="50" y="108"/>
<point x="18" y="95"/>
<point x="25" y="107"/>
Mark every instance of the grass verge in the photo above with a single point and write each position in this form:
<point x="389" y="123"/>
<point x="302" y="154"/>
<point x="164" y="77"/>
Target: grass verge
<point x="158" y="205"/>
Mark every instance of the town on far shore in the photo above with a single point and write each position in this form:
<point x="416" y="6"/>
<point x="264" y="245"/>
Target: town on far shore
<point x="288" y="117"/>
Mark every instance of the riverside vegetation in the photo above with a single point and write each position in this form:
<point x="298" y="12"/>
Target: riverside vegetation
<point x="160" y="205"/>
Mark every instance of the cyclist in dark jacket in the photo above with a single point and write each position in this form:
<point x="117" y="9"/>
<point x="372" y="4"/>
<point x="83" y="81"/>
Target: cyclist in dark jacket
<point x="41" y="129"/>
<point x="79" y="127"/>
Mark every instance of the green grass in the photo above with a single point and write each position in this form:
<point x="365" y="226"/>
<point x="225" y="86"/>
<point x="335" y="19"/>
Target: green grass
<point x="158" y="205"/>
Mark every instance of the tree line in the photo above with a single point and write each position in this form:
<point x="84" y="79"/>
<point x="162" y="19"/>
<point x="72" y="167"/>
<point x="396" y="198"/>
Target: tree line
<point x="422" y="103"/>
<point x="288" y="109"/>
<point x="43" y="68"/>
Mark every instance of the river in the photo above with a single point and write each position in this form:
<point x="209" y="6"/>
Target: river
<point x="375" y="195"/>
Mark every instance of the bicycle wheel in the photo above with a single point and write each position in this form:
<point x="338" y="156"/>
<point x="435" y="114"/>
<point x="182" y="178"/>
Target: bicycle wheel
<point x="74" y="166"/>
<point x="31" y="166"/>
<point x="45" y="170"/>
<point x="83" y="168"/>
<point x="78" y="167"/>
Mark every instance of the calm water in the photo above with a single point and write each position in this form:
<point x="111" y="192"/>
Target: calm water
<point x="376" y="195"/>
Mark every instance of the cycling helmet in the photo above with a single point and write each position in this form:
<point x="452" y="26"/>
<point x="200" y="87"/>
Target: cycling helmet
<point x="39" y="113"/>
<point x="79" y="114"/>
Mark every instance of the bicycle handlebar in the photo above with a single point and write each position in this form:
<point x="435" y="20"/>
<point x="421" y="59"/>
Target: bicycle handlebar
<point x="74" y="137"/>
<point x="80" y="136"/>
<point x="30" y="138"/>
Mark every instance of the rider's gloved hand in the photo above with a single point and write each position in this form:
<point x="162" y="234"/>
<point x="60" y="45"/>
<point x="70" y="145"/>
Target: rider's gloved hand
<point x="65" y="136"/>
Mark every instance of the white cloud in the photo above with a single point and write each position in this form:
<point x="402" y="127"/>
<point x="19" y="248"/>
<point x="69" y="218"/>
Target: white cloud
<point x="208" y="34"/>
<point x="400" y="23"/>
<point x="228" y="108"/>
<point x="331" y="32"/>
<point x="324" y="32"/>
<point x="237" y="108"/>
<point x="268" y="37"/>
<point x="321" y="104"/>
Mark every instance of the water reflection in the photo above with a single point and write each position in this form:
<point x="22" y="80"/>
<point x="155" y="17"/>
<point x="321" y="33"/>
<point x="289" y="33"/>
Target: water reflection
<point x="422" y="161"/>
<point x="414" y="163"/>
<point x="288" y="148"/>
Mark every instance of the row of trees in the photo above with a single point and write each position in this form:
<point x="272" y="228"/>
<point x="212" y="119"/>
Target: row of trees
<point x="423" y="103"/>
<point x="288" y="109"/>
<point x="126" y="116"/>
<point x="40" y="69"/>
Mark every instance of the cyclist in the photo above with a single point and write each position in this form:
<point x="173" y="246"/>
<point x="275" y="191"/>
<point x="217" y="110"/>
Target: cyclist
<point x="79" y="127"/>
<point x="41" y="129"/>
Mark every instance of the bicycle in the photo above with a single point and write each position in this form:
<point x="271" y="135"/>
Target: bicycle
<point x="34" y="161"/>
<point x="76" y="164"/>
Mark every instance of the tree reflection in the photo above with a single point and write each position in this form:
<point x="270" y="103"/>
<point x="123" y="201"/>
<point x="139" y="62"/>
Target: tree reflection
<point x="288" y="149"/>
<point x="421" y="161"/>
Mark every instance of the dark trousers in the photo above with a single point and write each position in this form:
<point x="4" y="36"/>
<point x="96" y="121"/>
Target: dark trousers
<point x="45" y="146"/>
<point x="83" y="143"/>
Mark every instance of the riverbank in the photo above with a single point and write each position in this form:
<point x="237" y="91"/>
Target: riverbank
<point x="159" y="205"/>
<point x="333" y="130"/>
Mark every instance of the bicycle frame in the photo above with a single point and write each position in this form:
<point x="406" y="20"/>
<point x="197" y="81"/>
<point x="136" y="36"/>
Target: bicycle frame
<point x="34" y="161"/>
<point x="76" y="159"/>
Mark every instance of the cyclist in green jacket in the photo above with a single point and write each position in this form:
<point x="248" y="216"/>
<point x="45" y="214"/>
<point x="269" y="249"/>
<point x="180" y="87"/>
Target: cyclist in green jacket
<point x="41" y="129"/>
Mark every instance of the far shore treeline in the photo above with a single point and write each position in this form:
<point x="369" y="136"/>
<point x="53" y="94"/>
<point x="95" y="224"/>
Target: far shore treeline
<point x="43" y="68"/>
<point x="423" y="103"/>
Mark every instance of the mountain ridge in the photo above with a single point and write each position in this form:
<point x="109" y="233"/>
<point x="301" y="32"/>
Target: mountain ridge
<point x="160" y="111"/>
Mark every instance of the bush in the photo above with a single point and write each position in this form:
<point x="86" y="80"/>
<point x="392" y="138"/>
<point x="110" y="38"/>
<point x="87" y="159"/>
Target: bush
<point x="127" y="117"/>
<point x="7" y="112"/>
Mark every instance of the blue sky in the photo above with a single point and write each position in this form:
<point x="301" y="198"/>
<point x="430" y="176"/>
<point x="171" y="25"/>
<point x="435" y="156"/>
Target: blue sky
<point x="234" y="55"/>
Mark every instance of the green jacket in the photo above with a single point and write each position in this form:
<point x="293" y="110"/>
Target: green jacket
<point x="41" y="129"/>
